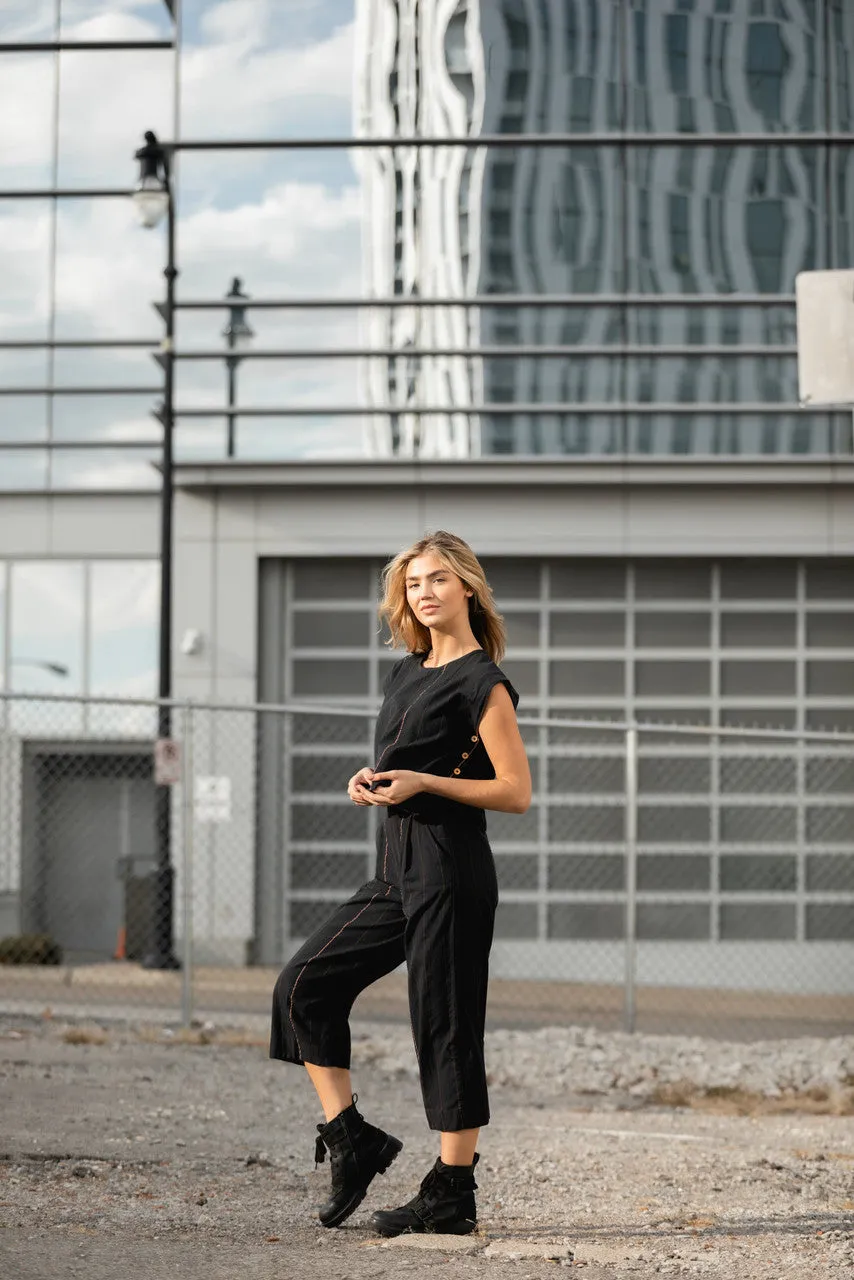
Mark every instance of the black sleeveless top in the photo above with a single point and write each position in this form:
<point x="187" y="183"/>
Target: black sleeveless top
<point x="429" y="722"/>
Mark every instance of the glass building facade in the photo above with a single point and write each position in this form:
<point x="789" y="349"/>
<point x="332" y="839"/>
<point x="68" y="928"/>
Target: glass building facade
<point x="674" y="259"/>
<point x="667" y="262"/>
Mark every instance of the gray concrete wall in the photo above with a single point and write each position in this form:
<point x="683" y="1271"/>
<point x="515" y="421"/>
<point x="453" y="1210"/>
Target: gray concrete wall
<point x="67" y="525"/>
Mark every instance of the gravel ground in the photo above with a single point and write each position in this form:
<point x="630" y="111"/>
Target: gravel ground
<point x="157" y="1152"/>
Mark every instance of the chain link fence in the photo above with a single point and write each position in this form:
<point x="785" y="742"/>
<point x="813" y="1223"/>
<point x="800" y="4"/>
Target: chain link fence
<point x="162" y="862"/>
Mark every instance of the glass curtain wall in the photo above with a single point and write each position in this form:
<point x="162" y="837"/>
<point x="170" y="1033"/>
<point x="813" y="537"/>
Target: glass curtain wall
<point x="679" y="256"/>
<point x="692" y="244"/>
<point x="79" y="277"/>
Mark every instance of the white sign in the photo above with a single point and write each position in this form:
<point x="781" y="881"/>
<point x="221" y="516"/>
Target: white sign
<point x="212" y="798"/>
<point x="825" y="313"/>
<point x="167" y="762"/>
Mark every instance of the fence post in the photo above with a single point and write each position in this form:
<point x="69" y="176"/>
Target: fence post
<point x="629" y="1010"/>
<point x="187" y="866"/>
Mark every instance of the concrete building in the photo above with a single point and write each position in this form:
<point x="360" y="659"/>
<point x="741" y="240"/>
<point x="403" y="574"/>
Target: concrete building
<point x="677" y="546"/>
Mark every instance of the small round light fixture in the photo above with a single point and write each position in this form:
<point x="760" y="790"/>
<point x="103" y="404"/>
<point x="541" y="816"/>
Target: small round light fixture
<point x="238" y="331"/>
<point x="151" y="194"/>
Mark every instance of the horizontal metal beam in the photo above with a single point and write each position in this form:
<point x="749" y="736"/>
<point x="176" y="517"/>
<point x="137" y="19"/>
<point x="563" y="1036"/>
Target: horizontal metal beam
<point x="502" y="351"/>
<point x="502" y="300"/>
<point x="86" y="46"/>
<point x="81" y="391"/>
<point x="54" y="446"/>
<point x="615" y="138"/>
<point x="538" y="410"/>
<point x="74" y="344"/>
<point x="66" y="193"/>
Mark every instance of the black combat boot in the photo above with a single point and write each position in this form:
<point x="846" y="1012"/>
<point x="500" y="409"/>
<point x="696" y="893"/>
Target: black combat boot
<point x="444" y="1204"/>
<point x="357" y="1152"/>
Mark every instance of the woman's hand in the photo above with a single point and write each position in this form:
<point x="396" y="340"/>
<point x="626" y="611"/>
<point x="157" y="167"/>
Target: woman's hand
<point x="357" y="787"/>
<point x="397" y="786"/>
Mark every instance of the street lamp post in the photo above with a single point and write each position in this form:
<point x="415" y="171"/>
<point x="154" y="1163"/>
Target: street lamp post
<point x="154" y="197"/>
<point x="237" y="334"/>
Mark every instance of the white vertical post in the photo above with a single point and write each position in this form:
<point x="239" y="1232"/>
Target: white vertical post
<point x="629" y="1009"/>
<point x="187" y="867"/>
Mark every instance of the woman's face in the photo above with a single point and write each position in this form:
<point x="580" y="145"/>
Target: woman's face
<point x="434" y="593"/>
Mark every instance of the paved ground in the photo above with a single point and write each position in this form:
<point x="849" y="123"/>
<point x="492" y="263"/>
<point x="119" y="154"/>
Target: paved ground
<point x="149" y="1152"/>
<point x="115" y="990"/>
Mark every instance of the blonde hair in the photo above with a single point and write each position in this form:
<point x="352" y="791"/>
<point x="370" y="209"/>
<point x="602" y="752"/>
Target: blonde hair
<point x="457" y="556"/>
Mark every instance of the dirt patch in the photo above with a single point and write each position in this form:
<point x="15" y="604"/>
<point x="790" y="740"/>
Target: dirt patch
<point x="720" y="1100"/>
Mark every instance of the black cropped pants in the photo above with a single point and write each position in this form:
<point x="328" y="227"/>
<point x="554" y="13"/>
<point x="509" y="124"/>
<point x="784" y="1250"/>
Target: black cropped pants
<point x="432" y="903"/>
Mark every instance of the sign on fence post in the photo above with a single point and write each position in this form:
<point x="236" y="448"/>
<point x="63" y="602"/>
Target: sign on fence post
<point x="167" y="762"/>
<point x="213" y="799"/>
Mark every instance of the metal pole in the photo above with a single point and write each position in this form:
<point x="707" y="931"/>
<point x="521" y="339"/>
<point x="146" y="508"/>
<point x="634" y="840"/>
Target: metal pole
<point x="231" y="365"/>
<point x="187" y="846"/>
<point x="629" y="1008"/>
<point x="162" y="955"/>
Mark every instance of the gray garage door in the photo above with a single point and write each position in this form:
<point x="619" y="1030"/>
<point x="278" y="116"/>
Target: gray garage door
<point x="749" y="850"/>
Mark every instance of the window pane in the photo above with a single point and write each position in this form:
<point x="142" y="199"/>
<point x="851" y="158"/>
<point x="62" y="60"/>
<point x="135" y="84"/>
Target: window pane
<point x="758" y="630"/>
<point x="332" y="580"/>
<point x="584" y="630"/>
<point x="517" y="870"/>
<point x="583" y="774"/>
<point x="671" y="679"/>
<point x="753" y="775"/>
<point x="586" y="678"/>
<point x="329" y="677"/>
<point x="830" y="921"/>
<point x="137" y="84"/>
<point x="683" y="202"/>
<point x="673" y="921"/>
<point x="757" y="874"/>
<point x="672" y="580"/>
<point x="587" y="872"/>
<point x="587" y="920"/>
<point x="47" y="627"/>
<point x="659" y="775"/>
<point x="591" y="580"/>
<point x="125" y="627"/>
<point x="516" y="920"/>
<point x="672" y="630"/>
<point x="758" y="580"/>
<point x="672" y="872"/>
<point x="27" y="145"/>
<point x="25" y="236"/>
<point x="98" y="304"/>
<point x="756" y="921"/>
<point x="830" y="580"/>
<point x="830" y="679"/>
<point x="732" y="72"/>
<point x="513" y="579"/>
<point x="523" y="629"/>
<point x="675" y="824"/>
<point x="332" y="630"/>
<point x="757" y="679"/>
<point x="831" y="630"/>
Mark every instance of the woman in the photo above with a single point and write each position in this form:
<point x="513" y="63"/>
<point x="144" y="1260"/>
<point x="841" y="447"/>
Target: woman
<point x="447" y="747"/>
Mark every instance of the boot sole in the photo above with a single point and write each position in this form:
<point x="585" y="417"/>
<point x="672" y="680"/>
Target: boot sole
<point x="389" y="1153"/>
<point x="463" y="1228"/>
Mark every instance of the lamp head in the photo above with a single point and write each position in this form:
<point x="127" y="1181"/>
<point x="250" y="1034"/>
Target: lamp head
<point x="151" y="194"/>
<point x="238" y="330"/>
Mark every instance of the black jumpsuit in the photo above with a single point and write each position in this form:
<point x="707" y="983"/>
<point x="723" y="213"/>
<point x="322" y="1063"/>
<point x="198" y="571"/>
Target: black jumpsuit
<point x="431" y="903"/>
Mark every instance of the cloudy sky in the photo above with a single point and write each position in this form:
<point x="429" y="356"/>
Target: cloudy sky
<point x="288" y="224"/>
